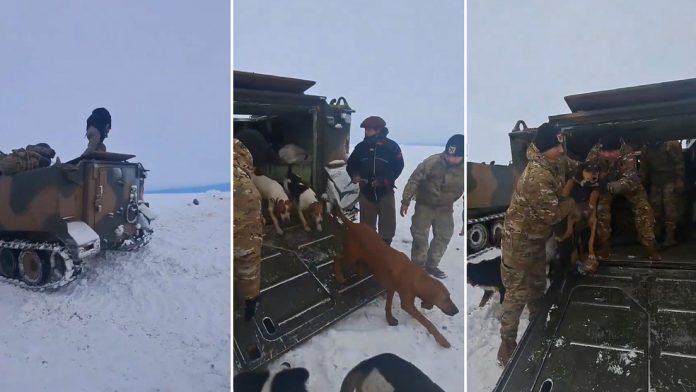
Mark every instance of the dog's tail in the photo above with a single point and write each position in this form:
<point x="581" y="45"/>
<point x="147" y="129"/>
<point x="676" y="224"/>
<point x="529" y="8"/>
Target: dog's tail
<point x="353" y="381"/>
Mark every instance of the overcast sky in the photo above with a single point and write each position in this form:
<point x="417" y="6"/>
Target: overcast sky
<point x="524" y="57"/>
<point x="161" y="68"/>
<point x="402" y="60"/>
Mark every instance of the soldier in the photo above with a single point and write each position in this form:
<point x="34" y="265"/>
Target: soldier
<point x="535" y="207"/>
<point x="98" y="127"/>
<point x="375" y="164"/>
<point x="662" y="165"/>
<point x="619" y="176"/>
<point x="436" y="184"/>
<point x="23" y="159"/>
<point x="247" y="232"/>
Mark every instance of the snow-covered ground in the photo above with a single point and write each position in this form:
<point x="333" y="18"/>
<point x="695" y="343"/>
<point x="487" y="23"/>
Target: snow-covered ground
<point x="483" y="335"/>
<point x="157" y="319"/>
<point x="331" y="354"/>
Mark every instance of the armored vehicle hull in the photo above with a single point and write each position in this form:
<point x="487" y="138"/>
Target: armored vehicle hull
<point x="630" y="325"/>
<point x="53" y="218"/>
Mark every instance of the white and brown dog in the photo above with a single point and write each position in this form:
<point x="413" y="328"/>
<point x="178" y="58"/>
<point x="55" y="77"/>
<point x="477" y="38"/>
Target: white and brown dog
<point x="278" y="203"/>
<point x="304" y="198"/>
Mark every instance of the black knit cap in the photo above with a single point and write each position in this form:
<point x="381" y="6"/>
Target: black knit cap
<point x="99" y="119"/>
<point x="610" y="142"/>
<point x="455" y="145"/>
<point x="546" y="137"/>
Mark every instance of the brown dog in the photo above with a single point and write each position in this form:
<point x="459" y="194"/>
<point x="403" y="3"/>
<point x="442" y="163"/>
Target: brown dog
<point x="584" y="189"/>
<point x="362" y="246"/>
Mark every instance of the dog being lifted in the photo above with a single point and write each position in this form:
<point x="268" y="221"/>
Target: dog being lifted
<point x="304" y="198"/>
<point x="387" y="372"/>
<point x="278" y="203"/>
<point x="584" y="189"/>
<point x="362" y="246"/>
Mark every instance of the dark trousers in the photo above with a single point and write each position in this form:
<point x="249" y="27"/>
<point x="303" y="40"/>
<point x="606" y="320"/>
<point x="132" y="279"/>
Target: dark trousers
<point x="385" y="210"/>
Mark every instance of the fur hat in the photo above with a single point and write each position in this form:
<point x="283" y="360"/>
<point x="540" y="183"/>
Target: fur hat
<point x="455" y="145"/>
<point x="99" y="119"/>
<point x="546" y="137"/>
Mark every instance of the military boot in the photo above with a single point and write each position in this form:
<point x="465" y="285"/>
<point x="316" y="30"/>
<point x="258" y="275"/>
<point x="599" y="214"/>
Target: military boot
<point x="669" y="237"/>
<point x="507" y="347"/>
<point x="651" y="252"/>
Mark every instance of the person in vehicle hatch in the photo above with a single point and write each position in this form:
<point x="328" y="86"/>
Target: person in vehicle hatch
<point x="375" y="164"/>
<point x="98" y="127"/>
<point x="436" y="184"/>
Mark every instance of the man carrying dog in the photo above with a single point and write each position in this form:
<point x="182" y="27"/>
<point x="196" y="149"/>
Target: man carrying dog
<point x="375" y="164"/>
<point x="247" y="232"/>
<point x="619" y="176"/>
<point x="662" y="165"/>
<point x="436" y="184"/>
<point x="535" y="207"/>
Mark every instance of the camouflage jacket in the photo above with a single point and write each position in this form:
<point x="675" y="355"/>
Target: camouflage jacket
<point x="242" y="161"/>
<point x="435" y="183"/>
<point x="536" y="203"/>
<point x="621" y="174"/>
<point x="663" y="163"/>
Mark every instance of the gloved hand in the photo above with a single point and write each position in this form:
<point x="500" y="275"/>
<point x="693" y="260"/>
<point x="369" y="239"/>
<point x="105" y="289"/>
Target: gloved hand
<point x="250" y="306"/>
<point x="603" y="185"/>
<point x="379" y="184"/>
<point x="404" y="209"/>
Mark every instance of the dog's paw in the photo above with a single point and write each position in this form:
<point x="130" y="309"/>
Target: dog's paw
<point x="340" y="279"/>
<point x="319" y="228"/>
<point x="306" y="228"/>
<point x="279" y="231"/>
<point x="392" y="321"/>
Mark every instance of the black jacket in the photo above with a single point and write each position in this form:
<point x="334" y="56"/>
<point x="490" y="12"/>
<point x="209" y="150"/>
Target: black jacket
<point x="377" y="159"/>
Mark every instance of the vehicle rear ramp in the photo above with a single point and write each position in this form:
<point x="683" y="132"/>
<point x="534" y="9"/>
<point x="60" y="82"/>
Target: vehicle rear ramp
<point x="299" y="295"/>
<point x="630" y="327"/>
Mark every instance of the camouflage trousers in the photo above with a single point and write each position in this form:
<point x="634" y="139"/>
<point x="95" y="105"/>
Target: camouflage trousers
<point x="21" y="160"/>
<point x="523" y="270"/>
<point x="384" y="209"/>
<point x="442" y="221"/>
<point x="642" y="216"/>
<point x="247" y="234"/>
<point x="664" y="199"/>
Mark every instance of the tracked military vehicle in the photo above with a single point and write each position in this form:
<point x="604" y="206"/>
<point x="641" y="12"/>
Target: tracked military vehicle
<point x="53" y="218"/>
<point x="299" y="295"/>
<point x="630" y="326"/>
<point x="488" y="194"/>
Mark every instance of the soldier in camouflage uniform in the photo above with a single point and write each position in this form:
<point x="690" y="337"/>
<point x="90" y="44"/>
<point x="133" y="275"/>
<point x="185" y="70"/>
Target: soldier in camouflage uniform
<point x="619" y="176"/>
<point x="98" y="127"/>
<point x="662" y="165"/>
<point x="24" y="159"/>
<point x="247" y="231"/>
<point x="436" y="184"/>
<point x="535" y="207"/>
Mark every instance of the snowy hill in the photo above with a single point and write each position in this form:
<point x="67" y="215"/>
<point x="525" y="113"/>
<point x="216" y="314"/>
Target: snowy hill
<point x="156" y="319"/>
<point x="331" y="354"/>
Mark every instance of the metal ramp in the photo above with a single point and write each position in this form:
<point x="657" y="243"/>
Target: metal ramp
<point x="299" y="295"/>
<point x="627" y="328"/>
